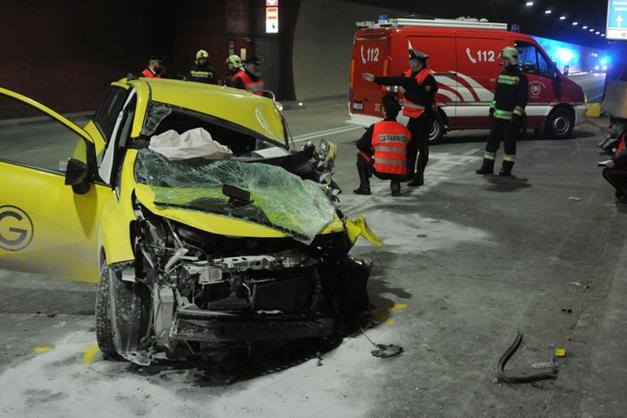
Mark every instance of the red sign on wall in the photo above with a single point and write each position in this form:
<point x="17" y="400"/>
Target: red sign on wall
<point x="272" y="19"/>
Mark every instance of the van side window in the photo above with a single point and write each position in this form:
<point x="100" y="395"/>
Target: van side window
<point x="532" y="61"/>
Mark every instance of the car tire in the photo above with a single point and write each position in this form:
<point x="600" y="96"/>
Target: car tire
<point x="104" y="328"/>
<point x="436" y="133"/>
<point x="560" y="124"/>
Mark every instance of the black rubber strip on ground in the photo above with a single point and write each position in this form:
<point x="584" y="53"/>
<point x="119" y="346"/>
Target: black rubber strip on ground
<point x="502" y="376"/>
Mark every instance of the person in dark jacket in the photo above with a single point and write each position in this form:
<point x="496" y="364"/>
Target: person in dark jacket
<point x="201" y="71"/>
<point x="507" y="113"/>
<point x="417" y="89"/>
<point x="615" y="171"/>
<point x="383" y="150"/>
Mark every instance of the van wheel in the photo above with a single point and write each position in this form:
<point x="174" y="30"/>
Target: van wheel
<point x="437" y="131"/>
<point x="560" y="124"/>
<point x="104" y="328"/>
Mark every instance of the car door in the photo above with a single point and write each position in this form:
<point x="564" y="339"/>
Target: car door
<point x="46" y="226"/>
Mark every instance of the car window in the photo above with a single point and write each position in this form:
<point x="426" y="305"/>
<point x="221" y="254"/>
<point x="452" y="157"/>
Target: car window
<point x="32" y="138"/>
<point x="108" y="111"/>
<point x="532" y="60"/>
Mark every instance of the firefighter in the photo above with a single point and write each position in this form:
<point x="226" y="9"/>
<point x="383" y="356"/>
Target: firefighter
<point x="382" y="150"/>
<point x="615" y="171"/>
<point x="155" y="67"/>
<point x="201" y="71"/>
<point x="417" y="88"/>
<point x="246" y="78"/>
<point x="507" y="113"/>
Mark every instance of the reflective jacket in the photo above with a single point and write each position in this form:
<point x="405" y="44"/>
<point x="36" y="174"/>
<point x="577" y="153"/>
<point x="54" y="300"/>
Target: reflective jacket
<point x="202" y="74"/>
<point x="389" y="141"/>
<point x="411" y="108"/>
<point x="510" y="95"/>
<point x="149" y="74"/>
<point x="247" y="80"/>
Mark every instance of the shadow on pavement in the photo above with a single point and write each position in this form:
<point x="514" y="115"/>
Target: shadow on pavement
<point x="506" y="184"/>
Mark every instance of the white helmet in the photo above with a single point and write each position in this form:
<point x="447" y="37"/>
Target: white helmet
<point x="511" y="55"/>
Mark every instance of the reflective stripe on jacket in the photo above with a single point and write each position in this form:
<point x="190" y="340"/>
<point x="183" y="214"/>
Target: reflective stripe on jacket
<point x="389" y="141"/>
<point x="249" y="83"/>
<point x="411" y="109"/>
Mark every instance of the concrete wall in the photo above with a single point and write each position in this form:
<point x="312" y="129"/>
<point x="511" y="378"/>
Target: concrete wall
<point x="323" y="43"/>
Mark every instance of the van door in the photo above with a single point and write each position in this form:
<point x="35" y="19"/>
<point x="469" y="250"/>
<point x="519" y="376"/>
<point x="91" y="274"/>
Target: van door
<point x="540" y="74"/>
<point x="370" y="55"/>
<point x="478" y="66"/>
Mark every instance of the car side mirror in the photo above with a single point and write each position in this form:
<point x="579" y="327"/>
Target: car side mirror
<point x="76" y="175"/>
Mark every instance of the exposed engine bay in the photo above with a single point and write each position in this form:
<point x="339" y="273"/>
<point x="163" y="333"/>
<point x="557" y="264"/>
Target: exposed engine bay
<point x="194" y="293"/>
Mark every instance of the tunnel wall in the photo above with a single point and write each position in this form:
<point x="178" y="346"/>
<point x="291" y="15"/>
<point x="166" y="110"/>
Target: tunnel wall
<point x="323" y="43"/>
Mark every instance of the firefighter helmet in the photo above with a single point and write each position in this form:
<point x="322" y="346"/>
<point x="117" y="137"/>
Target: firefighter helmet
<point x="202" y="54"/>
<point x="234" y="60"/>
<point x="510" y="54"/>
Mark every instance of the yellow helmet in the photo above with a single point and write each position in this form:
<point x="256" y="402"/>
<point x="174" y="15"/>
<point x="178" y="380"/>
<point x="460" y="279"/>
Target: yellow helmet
<point x="201" y="54"/>
<point x="234" y="60"/>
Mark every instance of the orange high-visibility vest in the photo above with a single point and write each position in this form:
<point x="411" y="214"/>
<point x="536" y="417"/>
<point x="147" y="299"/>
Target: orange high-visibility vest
<point x="249" y="84"/>
<point x="149" y="74"/>
<point x="411" y="109"/>
<point x="389" y="140"/>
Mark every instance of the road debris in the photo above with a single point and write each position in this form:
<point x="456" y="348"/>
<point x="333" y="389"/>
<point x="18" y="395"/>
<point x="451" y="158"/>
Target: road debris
<point x="576" y="199"/>
<point x="567" y="310"/>
<point x="502" y="376"/>
<point x="560" y="352"/>
<point x="383" y="350"/>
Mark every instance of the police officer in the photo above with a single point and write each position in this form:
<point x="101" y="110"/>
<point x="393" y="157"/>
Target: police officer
<point x="155" y="67"/>
<point x="382" y="150"/>
<point x="615" y="171"/>
<point x="507" y="113"/>
<point x="417" y="88"/>
<point x="201" y="71"/>
<point x="246" y="78"/>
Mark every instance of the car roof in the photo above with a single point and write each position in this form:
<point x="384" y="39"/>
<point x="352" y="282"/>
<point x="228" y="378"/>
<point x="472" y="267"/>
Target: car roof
<point x="241" y="107"/>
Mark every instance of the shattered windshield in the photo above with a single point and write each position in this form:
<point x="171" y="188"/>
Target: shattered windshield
<point x="279" y="199"/>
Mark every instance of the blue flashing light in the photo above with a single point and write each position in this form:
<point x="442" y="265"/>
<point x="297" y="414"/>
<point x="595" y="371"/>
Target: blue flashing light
<point x="565" y="55"/>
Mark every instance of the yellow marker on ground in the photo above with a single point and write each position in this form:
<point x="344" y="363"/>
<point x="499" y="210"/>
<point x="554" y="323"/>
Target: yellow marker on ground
<point x="399" y="306"/>
<point x="594" y="110"/>
<point x="42" y="349"/>
<point x="560" y="352"/>
<point x="89" y="353"/>
<point x="389" y="321"/>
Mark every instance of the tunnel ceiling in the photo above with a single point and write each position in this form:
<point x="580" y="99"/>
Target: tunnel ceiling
<point x="532" y="20"/>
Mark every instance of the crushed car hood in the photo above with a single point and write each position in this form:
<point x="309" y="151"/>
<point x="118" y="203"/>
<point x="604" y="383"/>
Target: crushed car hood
<point x="191" y="192"/>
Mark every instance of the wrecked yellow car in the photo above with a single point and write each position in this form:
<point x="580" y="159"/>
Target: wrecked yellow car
<point x="205" y="229"/>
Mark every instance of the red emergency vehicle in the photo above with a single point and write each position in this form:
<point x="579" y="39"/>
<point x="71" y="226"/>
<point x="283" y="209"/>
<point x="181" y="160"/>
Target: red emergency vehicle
<point x="464" y="54"/>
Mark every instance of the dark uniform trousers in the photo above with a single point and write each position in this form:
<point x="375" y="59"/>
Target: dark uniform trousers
<point x="418" y="147"/>
<point x="617" y="177"/>
<point x="502" y="130"/>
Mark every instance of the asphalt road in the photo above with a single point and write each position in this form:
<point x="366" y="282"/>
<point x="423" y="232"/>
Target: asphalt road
<point x="468" y="262"/>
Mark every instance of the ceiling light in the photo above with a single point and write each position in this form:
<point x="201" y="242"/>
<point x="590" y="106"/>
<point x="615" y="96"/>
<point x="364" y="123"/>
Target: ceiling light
<point x="548" y="12"/>
<point x="597" y="33"/>
<point x="591" y="30"/>
<point x="575" y="23"/>
<point x="603" y="35"/>
<point x="529" y="4"/>
<point x="585" y="27"/>
<point x="562" y="17"/>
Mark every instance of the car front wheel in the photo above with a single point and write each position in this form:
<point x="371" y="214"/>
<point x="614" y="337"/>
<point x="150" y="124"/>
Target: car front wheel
<point x="104" y="328"/>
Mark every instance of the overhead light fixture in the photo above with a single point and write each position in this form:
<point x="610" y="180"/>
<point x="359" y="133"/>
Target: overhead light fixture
<point x="548" y="11"/>
<point x="597" y="33"/>
<point x="603" y="35"/>
<point x="529" y="4"/>
<point x="591" y="30"/>
<point x="585" y="27"/>
<point x="575" y="23"/>
<point x="562" y="17"/>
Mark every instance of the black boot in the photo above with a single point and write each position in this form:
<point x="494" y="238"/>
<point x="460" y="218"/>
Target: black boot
<point x="395" y="187"/>
<point x="417" y="181"/>
<point x="364" y="179"/>
<point x="506" y="168"/>
<point x="487" y="167"/>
